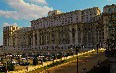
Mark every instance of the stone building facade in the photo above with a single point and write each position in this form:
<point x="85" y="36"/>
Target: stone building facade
<point x="16" y="38"/>
<point x="109" y="21"/>
<point x="58" y="31"/>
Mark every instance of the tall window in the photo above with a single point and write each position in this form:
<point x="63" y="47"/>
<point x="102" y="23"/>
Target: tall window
<point x="53" y="38"/>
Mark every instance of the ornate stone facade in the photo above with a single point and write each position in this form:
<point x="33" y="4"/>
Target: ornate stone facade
<point x="109" y="21"/>
<point x="16" y="38"/>
<point x="58" y="31"/>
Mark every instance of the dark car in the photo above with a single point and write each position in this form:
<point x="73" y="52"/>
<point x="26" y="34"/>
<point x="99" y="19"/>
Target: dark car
<point x="2" y="69"/>
<point x="24" y="63"/>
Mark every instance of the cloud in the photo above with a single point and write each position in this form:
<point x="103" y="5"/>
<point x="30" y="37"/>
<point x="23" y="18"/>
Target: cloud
<point x="7" y="24"/>
<point x="40" y="1"/>
<point x="109" y="0"/>
<point x="25" y="10"/>
<point x="10" y="14"/>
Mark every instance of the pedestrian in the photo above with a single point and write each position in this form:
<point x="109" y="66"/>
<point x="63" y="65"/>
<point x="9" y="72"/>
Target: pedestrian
<point x="84" y="70"/>
<point x="27" y="68"/>
<point x="41" y="62"/>
<point x="98" y="63"/>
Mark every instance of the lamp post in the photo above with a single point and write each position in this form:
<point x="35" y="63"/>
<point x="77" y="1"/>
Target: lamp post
<point x="76" y="48"/>
<point x="97" y="46"/>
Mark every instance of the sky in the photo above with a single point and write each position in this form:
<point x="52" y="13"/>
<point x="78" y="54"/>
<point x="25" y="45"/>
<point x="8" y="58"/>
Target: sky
<point x="21" y="12"/>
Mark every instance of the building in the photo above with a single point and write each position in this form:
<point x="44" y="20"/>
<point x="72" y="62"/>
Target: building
<point x="58" y="31"/>
<point x="8" y="39"/>
<point x="16" y="38"/>
<point x="109" y="21"/>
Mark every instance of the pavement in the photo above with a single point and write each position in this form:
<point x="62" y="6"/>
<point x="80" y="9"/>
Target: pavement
<point x="71" y="67"/>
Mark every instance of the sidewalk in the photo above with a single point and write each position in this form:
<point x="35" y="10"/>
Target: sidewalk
<point x="71" y="67"/>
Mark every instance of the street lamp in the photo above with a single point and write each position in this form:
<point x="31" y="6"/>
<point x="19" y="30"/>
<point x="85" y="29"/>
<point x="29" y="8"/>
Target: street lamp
<point x="76" y="51"/>
<point x="76" y="48"/>
<point x="97" y="46"/>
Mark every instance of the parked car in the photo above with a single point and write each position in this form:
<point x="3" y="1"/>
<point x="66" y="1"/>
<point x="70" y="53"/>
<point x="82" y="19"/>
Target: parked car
<point x="24" y="63"/>
<point x="2" y="69"/>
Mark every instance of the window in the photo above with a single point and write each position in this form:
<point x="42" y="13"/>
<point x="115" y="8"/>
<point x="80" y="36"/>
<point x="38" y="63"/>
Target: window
<point x="90" y="11"/>
<point x="82" y="12"/>
<point x="79" y="29"/>
<point x="86" y="17"/>
<point x="114" y="9"/>
<point x="85" y="29"/>
<point x="95" y="13"/>
<point x="109" y="10"/>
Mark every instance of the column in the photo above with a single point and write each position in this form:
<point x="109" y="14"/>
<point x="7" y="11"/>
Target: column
<point x="38" y="43"/>
<point x="76" y="35"/>
<point x="11" y="41"/>
<point x="57" y="38"/>
<point x="95" y="35"/>
<point x="70" y="34"/>
<point x="7" y="41"/>
<point x="46" y="38"/>
<point x="11" y="44"/>
<point x="50" y="37"/>
<point x="81" y="29"/>
<point x="16" y="41"/>
<point x="33" y="39"/>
